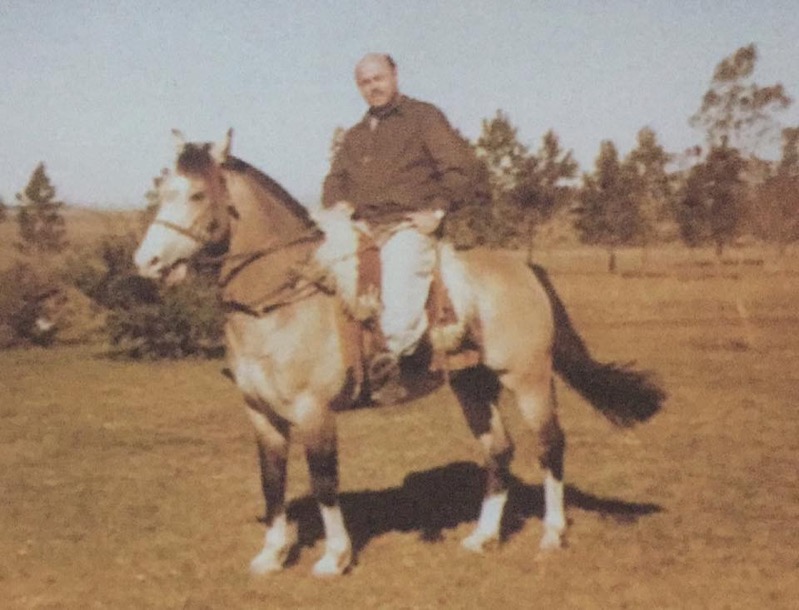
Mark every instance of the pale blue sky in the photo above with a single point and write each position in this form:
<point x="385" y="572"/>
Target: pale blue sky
<point x="93" y="87"/>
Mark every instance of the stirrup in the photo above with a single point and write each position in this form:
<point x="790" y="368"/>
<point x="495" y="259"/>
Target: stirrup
<point x="385" y="379"/>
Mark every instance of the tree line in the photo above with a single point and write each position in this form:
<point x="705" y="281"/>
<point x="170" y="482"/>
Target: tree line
<point x="711" y="194"/>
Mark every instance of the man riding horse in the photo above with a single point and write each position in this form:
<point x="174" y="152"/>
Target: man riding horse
<point x="399" y="170"/>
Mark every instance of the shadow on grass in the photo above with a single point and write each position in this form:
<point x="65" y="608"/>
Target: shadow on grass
<point x="436" y="500"/>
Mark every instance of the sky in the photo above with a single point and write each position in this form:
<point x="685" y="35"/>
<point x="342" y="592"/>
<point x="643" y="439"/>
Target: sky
<point x="93" y="88"/>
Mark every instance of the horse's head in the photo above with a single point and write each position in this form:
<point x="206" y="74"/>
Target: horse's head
<point x="192" y="213"/>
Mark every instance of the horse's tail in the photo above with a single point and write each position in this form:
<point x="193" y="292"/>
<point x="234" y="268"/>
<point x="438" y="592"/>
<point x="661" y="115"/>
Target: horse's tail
<point x="623" y="395"/>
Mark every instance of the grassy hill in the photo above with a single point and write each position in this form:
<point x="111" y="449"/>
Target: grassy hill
<point x="85" y="228"/>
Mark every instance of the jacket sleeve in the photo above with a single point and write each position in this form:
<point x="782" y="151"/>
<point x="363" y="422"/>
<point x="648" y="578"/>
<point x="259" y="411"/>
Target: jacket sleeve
<point x="335" y="187"/>
<point x="453" y="160"/>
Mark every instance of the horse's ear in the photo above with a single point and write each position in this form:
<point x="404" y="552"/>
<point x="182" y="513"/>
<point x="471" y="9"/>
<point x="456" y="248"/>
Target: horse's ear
<point x="180" y="140"/>
<point x="221" y="150"/>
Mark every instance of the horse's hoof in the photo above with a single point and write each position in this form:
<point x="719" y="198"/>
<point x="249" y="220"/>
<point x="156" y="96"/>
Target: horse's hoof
<point x="269" y="561"/>
<point x="262" y="566"/>
<point x="552" y="540"/>
<point x="332" y="564"/>
<point x="479" y="542"/>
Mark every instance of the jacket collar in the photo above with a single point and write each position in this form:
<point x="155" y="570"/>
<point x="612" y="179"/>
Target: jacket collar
<point x="383" y="111"/>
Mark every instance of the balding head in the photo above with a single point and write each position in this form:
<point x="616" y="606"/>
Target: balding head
<point x="376" y="77"/>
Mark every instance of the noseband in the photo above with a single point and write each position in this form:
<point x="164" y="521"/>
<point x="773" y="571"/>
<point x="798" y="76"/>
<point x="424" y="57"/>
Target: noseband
<point x="201" y="238"/>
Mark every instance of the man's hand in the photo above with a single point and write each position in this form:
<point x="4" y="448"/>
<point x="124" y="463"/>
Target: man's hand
<point x="343" y="207"/>
<point x="426" y="221"/>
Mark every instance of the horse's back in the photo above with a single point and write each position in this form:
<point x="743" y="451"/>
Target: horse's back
<point x="510" y="304"/>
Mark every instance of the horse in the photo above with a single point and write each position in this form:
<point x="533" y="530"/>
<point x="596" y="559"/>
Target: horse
<point x="294" y="351"/>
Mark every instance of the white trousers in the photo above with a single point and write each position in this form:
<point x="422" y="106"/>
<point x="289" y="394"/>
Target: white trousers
<point x="408" y="259"/>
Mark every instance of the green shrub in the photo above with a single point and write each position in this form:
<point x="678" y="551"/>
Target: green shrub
<point x="177" y="322"/>
<point x="144" y="320"/>
<point x="23" y="297"/>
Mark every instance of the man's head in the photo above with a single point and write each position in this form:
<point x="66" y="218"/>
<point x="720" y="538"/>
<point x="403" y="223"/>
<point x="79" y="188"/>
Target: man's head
<point x="376" y="77"/>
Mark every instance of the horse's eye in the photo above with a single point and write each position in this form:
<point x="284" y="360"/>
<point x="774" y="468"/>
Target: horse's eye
<point x="198" y="196"/>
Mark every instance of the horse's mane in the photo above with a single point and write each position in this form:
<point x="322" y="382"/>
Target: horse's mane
<point x="196" y="159"/>
<point x="271" y="186"/>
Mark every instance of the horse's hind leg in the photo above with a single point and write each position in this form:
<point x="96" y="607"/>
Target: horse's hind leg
<point x="273" y="443"/>
<point x="477" y="390"/>
<point x="535" y="395"/>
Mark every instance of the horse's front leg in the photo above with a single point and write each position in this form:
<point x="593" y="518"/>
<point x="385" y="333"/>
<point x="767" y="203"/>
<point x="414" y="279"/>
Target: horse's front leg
<point x="280" y="538"/>
<point x="477" y="390"/>
<point x="317" y="427"/>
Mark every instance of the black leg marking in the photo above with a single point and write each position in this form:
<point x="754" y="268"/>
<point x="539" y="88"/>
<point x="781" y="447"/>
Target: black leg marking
<point x="273" y="482"/>
<point x="553" y="446"/>
<point x="323" y="468"/>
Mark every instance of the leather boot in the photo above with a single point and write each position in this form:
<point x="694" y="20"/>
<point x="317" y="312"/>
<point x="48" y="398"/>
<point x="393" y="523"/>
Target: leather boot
<point x="385" y="379"/>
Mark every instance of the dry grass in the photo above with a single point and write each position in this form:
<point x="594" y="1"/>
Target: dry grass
<point x="135" y="485"/>
<point x="85" y="228"/>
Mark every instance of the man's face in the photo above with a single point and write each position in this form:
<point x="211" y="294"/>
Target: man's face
<point x="377" y="81"/>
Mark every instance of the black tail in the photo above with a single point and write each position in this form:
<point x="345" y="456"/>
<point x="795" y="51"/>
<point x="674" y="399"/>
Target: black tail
<point x="623" y="395"/>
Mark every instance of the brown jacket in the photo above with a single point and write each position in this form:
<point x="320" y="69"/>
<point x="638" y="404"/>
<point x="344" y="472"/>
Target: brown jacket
<point x="412" y="160"/>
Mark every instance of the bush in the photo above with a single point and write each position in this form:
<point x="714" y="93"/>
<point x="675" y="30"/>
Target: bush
<point x="104" y="273"/>
<point x="184" y="320"/>
<point x="25" y="292"/>
<point x="145" y="321"/>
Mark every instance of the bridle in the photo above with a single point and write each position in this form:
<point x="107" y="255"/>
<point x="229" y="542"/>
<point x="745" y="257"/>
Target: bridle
<point x="203" y="238"/>
<point x="206" y="233"/>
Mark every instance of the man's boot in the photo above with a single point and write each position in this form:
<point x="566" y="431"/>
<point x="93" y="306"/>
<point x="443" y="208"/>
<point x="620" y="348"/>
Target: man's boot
<point x="385" y="379"/>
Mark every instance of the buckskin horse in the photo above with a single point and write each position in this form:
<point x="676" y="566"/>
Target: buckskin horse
<point x="293" y="345"/>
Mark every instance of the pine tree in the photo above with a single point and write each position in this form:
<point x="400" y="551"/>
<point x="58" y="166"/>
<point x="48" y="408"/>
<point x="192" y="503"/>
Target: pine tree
<point x="504" y="156"/>
<point x="41" y="225"/>
<point x="649" y="160"/>
<point x="541" y="188"/>
<point x="608" y="213"/>
<point x="712" y="204"/>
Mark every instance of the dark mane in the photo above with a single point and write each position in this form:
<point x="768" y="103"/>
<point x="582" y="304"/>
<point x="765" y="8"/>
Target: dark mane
<point x="273" y="187"/>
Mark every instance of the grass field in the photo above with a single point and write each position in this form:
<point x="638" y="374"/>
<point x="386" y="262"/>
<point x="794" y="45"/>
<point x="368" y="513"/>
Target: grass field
<point x="130" y="485"/>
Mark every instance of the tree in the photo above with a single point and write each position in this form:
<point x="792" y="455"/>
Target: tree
<point x="501" y="159"/>
<point x="649" y="161"/>
<point x="775" y="213"/>
<point x="41" y="225"/>
<point x="737" y="108"/>
<point x="608" y="213"/>
<point x="504" y="156"/>
<point x="713" y="199"/>
<point x="541" y="190"/>
<point x="3" y="210"/>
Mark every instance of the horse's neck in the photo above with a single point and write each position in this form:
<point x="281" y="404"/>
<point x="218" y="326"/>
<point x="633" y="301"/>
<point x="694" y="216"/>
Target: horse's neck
<point x="269" y="242"/>
<point x="263" y="222"/>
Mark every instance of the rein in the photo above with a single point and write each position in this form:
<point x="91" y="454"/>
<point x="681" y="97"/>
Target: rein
<point x="247" y="258"/>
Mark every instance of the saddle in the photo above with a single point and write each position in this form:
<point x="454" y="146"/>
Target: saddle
<point x="349" y="263"/>
<point x="446" y="346"/>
